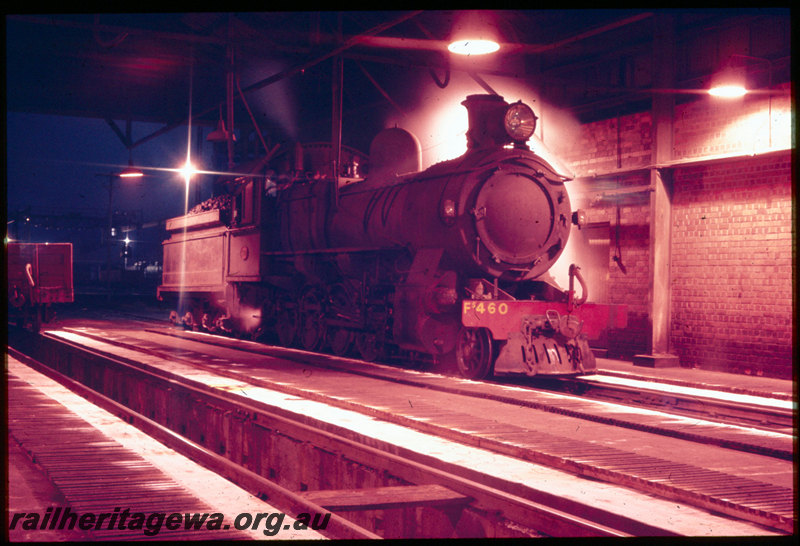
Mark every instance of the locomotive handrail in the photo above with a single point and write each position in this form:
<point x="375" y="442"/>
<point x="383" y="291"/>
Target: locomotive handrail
<point x="584" y="288"/>
<point x="575" y="273"/>
<point x="328" y="250"/>
<point x="495" y="293"/>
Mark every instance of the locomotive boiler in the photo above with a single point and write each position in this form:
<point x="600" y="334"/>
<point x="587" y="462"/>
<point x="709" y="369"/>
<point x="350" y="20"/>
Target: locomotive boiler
<point x="450" y="262"/>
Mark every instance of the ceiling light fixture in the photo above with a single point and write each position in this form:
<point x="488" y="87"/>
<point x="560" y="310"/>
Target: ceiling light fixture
<point x="130" y="171"/>
<point x="473" y="47"/>
<point x="187" y="171"/>
<point x="727" y="91"/>
<point x="220" y="134"/>
<point x="474" y="33"/>
<point x="731" y="81"/>
<point x="728" y="83"/>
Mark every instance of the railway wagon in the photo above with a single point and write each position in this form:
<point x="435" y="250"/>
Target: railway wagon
<point x="39" y="275"/>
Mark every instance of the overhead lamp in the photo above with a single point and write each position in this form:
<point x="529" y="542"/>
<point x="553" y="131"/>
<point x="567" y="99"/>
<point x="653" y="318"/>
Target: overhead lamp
<point x="471" y="47"/>
<point x="727" y="91"/>
<point x="130" y="171"/>
<point x="474" y="34"/>
<point x="729" y="83"/>
<point x="187" y="171"/>
<point x="220" y="134"/>
<point x="732" y="81"/>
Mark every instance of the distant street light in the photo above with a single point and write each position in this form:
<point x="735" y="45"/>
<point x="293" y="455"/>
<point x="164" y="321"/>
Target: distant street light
<point x="188" y="171"/>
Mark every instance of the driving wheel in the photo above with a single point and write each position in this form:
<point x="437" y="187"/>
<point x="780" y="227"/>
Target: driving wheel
<point x="369" y="346"/>
<point x="286" y="322"/>
<point x="312" y="319"/>
<point x="474" y="352"/>
<point x="340" y="340"/>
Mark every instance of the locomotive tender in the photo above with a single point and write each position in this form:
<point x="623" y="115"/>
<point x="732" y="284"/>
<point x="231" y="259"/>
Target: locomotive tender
<point x="450" y="262"/>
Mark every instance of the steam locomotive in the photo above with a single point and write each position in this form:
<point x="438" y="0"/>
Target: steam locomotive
<point x="450" y="262"/>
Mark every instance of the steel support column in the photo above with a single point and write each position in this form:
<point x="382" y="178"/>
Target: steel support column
<point x="663" y="111"/>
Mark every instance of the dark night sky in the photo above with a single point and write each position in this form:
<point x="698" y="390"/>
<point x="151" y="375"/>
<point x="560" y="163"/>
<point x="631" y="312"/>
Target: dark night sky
<point x="53" y="163"/>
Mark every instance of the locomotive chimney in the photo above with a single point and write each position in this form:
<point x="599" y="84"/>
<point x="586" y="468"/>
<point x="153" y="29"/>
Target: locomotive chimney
<point x="485" y="121"/>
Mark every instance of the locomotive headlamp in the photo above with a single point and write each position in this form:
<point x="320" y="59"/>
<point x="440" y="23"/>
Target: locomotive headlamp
<point x="520" y="121"/>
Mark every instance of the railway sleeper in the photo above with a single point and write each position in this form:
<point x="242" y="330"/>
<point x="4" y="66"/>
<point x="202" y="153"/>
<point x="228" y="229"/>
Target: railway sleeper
<point x="261" y="432"/>
<point x="381" y="498"/>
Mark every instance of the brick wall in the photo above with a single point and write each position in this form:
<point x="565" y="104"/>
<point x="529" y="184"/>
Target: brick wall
<point x="750" y="125"/>
<point x="618" y="143"/>
<point x="732" y="266"/>
<point x="631" y="286"/>
<point x="732" y="260"/>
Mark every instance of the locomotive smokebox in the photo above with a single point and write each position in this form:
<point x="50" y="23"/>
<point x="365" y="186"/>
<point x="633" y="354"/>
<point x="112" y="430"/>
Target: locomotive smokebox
<point x="485" y="114"/>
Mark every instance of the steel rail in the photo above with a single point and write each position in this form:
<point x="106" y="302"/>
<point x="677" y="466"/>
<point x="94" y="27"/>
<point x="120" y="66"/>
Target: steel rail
<point x="708" y="407"/>
<point x="585" y="468"/>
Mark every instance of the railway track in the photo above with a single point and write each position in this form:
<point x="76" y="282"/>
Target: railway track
<point x="766" y="413"/>
<point x="734" y="437"/>
<point x="708" y="488"/>
<point x="66" y="439"/>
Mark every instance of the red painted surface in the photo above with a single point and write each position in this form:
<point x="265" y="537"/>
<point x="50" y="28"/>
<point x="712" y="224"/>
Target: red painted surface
<point x="50" y="273"/>
<point x="502" y="317"/>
